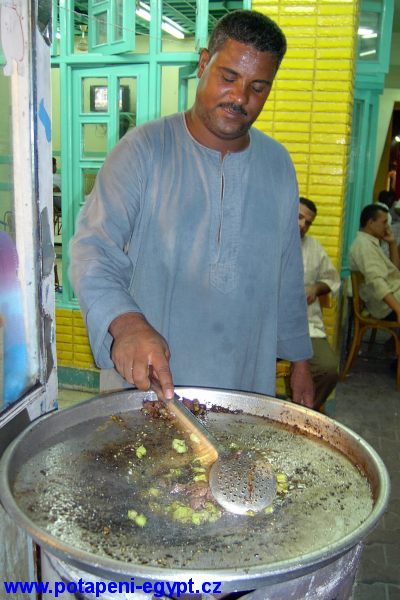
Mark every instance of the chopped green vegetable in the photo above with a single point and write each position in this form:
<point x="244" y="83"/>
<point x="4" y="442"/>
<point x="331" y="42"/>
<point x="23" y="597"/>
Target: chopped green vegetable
<point x="153" y="492"/>
<point x="141" y="451"/>
<point x="179" y="446"/>
<point x="199" y="469"/>
<point x="141" y="520"/>
<point x="185" y="514"/>
<point x="200" y="477"/>
<point x="195" y="438"/>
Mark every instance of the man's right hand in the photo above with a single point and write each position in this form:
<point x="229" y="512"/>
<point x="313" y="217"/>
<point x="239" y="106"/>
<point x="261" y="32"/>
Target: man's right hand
<point x="139" y="351"/>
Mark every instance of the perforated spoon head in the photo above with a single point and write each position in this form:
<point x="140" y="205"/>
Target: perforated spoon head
<point x="243" y="482"/>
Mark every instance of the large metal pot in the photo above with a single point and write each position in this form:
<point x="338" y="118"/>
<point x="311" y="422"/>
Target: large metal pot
<point x="46" y="445"/>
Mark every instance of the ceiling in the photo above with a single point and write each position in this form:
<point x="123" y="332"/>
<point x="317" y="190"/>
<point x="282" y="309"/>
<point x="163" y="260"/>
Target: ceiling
<point x="182" y="12"/>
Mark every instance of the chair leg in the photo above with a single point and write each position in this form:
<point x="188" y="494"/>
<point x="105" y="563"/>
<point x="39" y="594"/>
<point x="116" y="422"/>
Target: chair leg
<point x="355" y="346"/>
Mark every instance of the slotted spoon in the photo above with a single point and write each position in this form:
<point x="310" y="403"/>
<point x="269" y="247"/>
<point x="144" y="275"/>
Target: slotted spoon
<point x="240" y="481"/>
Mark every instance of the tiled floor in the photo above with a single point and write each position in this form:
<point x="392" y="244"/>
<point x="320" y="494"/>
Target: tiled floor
<point x="369" y="403"/>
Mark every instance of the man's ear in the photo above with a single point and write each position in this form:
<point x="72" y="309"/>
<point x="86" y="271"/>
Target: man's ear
<point x="203" y="62"/>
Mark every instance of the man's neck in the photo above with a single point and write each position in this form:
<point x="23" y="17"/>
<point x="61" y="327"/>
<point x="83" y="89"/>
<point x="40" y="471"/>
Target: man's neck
<point x="206" y="138"/>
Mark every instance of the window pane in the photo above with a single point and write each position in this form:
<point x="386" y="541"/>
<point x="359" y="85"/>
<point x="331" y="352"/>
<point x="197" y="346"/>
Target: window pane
<point x="127" y="104"/>
<point x="368" y="36"/>
<point x="95" y="94"/>
<point x="142" y="29"/>
<point x="80" y="23"/>
<point x="178" y="26"/>
<point x="19" y="348"/>
<point x="94" y="140"/>
<point x="100" y="23"/>
<point x="169" y="90"/>
<point x="88" y="178"/>
<point x="118" y="21"/>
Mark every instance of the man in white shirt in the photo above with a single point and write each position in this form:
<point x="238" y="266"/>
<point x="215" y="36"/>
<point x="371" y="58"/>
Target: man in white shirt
<point x="320" y="277"/>
<point x="381" y="287"/>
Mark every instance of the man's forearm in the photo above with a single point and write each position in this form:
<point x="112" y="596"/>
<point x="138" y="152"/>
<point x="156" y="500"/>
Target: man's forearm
<point x="393" y="304"/>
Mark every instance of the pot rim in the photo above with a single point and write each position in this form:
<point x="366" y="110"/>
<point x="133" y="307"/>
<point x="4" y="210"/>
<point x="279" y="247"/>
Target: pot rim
<point x="232" y="578"/>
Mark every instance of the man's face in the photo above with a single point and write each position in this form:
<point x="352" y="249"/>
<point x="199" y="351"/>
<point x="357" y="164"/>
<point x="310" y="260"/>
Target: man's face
<point x="306" y="218"/>
<point x="378" y="227"/>
<point x="234" y="85"/>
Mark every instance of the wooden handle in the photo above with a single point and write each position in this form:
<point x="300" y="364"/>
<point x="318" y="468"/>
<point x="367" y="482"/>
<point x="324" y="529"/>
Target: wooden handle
<point x="204" y="445"/>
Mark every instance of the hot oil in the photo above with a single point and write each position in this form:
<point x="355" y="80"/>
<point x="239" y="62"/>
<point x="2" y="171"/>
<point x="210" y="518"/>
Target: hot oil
<point x="81" y="489"/>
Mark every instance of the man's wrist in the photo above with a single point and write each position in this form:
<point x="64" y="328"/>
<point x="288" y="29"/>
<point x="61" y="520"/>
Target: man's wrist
<point x="125" y="321"/>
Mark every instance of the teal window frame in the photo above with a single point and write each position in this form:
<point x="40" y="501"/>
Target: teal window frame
<point x="369" y="85"/>
<point x="114" y="43"/>
<point x="66" y="60"/>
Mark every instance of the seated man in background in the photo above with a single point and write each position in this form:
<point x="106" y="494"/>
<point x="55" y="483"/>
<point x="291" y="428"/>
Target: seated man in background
<point x="381" y="287"/>
<point x="320" y="277"/>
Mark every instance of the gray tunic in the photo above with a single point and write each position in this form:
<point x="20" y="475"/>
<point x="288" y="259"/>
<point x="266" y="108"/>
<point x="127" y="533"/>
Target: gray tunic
<point x="207" y="248"/>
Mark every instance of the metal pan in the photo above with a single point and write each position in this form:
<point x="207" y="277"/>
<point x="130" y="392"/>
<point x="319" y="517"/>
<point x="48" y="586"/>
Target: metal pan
<point x="72" y="478"/>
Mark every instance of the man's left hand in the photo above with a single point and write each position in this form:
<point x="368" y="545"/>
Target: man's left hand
<point x="302" y="384"/>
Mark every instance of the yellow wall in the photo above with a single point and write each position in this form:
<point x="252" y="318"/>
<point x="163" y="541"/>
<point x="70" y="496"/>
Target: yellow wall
<point x="310" y="108"/>
<point x="309" y="111"/>
<point x="72" y="343"/>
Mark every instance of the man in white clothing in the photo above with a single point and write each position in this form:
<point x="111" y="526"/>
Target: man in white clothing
<point x="320" y="277"/>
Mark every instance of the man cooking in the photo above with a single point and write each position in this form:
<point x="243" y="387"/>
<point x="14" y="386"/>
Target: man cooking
<point x="187" y="260"/>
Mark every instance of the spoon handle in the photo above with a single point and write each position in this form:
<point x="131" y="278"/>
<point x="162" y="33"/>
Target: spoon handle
<point x="204" y="444"/>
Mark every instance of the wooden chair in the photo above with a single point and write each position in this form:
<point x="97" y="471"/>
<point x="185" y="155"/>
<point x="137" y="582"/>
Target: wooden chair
<point x="363" y="321"/>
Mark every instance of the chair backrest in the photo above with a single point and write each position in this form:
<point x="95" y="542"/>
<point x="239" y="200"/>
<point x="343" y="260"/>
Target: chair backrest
<point x="356" y="279"/>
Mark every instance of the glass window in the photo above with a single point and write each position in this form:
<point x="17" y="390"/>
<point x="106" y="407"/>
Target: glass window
<point x="118" y="24"/>
<point x="369" y="36"/>
<point x="100" y="29"/>
<point x="94" y="140"/>
<point x="89" y="177"/>
<point x="94" y="94"/>
<point x="178" y="26"/>
<point x="127" y="104"/>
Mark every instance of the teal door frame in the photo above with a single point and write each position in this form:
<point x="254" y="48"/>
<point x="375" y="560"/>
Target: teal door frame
<point x="64" y="58"/>
<point x="369" y="85"/>
<point x="72" y="184"/>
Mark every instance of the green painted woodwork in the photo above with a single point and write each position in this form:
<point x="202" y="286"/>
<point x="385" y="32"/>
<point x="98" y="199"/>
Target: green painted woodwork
<point x="146" y="60"/>
<point x="80" y="379"/>
<point x="111" y="28"/>
<point x="369" y="85"/>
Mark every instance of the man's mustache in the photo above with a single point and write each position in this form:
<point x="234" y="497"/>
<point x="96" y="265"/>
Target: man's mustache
<point x="234" y="107"/>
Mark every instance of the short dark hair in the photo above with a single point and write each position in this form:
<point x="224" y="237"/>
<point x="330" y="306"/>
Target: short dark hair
<point x="249" y="27"/>
<point x="309" y="203"/>
<point x="371" y="212"/>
